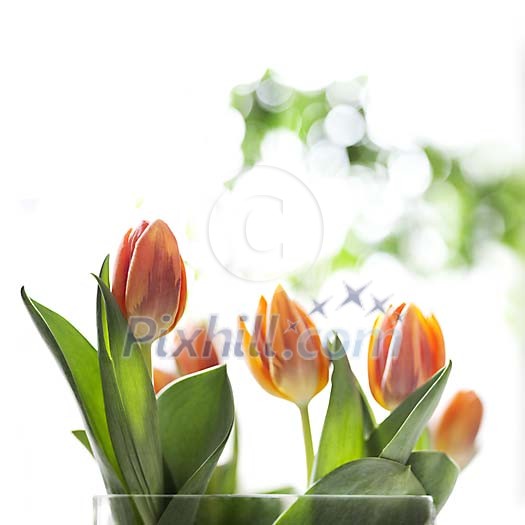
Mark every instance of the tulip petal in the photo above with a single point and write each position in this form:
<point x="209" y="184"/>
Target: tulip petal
<point x="402" y="374"/>
<point x="323" y="361"/>
<point x="437" y="349"/>
<point x="294" y="367"/>
<point x="182" y="296"/>
<point x="375" y="366"/>
<point x="162" y="379"/>
<point x="120" y="275"/>
<point x="458" y="427"/>
<point x="255" y="364"/>
<point x="380" y="347"/>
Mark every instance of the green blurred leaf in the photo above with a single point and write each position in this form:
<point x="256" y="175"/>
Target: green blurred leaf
<point x="436" y="472"/>
<point x="196" y="417"/>
<point x="131" y="407"/>
<point x="363" y="477"/>
<point x="84" y="440"/>
<point x="342" y="437"/>
<point x="424" y="441"/>
<point x="282" y="490"/>
<point x="396" y="436"/>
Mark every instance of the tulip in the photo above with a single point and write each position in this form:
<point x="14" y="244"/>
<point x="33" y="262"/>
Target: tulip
<point x="194" y="351"/>
<point x="286" y="357"/>
<point x="162" y="378"/>
<point x="406" y="349"/>
<point x="149" y="282"/>
<point x="458" y="427"/>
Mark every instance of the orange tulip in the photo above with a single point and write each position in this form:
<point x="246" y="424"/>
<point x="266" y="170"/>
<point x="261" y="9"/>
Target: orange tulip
<point x="285" y="353"/>
<point x="406" y="349"/>
<point x="194" y="351"/>
<point x="161" y="378"/>
<point x="149" y="283"/>
<point x="458" y="427"/>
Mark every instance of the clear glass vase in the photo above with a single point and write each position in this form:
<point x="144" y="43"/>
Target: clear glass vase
<point x="263" y="509"/>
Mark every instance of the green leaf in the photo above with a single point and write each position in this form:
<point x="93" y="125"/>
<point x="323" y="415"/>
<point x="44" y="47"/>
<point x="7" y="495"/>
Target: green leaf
<point x="224" y="478"/>
<point x="436" y="472"/>
<point x="83" y="439"/>
<point x="342" y="438"/>
<point x="363" y="477"/>
<point x="79" y="362"/>
<point x="396" y="436"/>
<point x="369" y="476"/>
<point x="104" y="271"/>
<point x="131" y="407"/>
<point x="196" y="417"/>
<point x="369" y="420"/>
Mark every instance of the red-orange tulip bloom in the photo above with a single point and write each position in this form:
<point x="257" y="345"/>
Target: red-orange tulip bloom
<point x="458" y="427"/>
<point x="194" y="351"/>
<point x="406" y="349"/>
<point x="285" y="353"/>
<point x="161" y="378"/>
<point x="149" y="283"/>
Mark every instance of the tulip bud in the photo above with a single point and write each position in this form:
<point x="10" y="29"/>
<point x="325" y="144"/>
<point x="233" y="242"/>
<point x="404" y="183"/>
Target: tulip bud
<point x="285" y="353"/>
<point x="149" y="283"/>
<point x="406" y="349"/>
<point x="458" y="427"/>
<point x="194" y="350"/>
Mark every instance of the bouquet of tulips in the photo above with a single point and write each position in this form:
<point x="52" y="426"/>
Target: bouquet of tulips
<point x="156" y="433"/>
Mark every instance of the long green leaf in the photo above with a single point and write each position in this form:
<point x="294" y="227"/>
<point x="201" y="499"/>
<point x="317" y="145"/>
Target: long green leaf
<point x="362" y="478"/>
<point x="130" y="406"/>
<point x="79" y="362"/>
<point x="436" y="472"/>
<point x="342" y="438"/>
<point x="397" y="435"/>
<point x="196" y="417"/>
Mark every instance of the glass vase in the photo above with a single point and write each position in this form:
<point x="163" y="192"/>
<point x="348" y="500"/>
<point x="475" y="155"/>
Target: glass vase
<point x="263" y="509"/>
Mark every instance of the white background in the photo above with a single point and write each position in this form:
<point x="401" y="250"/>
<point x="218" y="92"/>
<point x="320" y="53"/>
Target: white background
<point x="114" y="111"/>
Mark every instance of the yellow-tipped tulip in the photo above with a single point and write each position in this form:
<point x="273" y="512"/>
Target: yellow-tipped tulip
<point x="458" y="427"/>
<point x="286" y="357"/>
<point x="285" y="353"/>
<point x="406" y="349"/>
<point x="149" y="282"/>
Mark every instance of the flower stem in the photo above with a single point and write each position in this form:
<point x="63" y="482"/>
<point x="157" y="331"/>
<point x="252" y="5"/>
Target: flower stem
<point x="308" y="444"/>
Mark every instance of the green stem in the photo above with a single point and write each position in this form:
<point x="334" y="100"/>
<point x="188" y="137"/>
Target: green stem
<point x="145" y="350"/>
<point x="308" y="443"/>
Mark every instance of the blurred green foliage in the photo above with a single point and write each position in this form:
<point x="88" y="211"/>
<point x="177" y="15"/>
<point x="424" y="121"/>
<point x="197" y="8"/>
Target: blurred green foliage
<point x="467" y="210"/>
